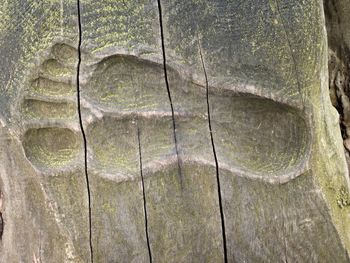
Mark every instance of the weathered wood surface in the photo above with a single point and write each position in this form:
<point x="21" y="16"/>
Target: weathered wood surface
<point x="169" y="131"/>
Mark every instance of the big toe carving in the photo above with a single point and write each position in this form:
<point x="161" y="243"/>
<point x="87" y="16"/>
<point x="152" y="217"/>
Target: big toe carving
<point x="49" y="148"/>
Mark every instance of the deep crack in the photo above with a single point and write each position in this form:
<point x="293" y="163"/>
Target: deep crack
<point x="2" y="225"/>
<point x="83" y="132"/>
<point x="144" y="195"/>
<point x="168" y="90"/>
<point x="222" y="216"/>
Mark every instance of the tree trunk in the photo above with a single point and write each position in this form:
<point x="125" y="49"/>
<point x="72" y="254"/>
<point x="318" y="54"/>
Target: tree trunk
<point x="173" y="131"/>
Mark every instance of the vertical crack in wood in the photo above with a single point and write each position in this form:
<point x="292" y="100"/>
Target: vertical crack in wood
<point x="83" y="132"/>
<point x="222" y="216"/>
<point x="168" y="90"/>
<point x="144" y="195"/>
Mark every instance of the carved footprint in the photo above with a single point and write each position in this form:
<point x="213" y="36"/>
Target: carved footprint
<point x="255" y="137"/>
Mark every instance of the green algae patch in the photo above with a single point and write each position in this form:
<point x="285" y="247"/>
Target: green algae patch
<point x="51" y="147"/>
<point x="44" y="86"/>
<point x="54" y="68"/>
<point x="183" y="214"/>
<point x="343" y="197"/>
<point x="114" y="145"/>
<point x="118" y="219"/>
<point x="69" y="191"/>
<point x="135" y="20"/>
<point x="36" y="109"/>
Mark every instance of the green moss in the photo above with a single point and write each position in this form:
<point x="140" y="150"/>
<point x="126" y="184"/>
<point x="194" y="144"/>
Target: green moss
<point x="48" y="87"/>
<point x="51" y="147"/>
<point x="118" y="219"/>
<point x="120" y="149"/>
<point x="65" y="54"/>
<point x="56" y="69"/>
<point x="38" y="25"/>
<point x="36" y="109"/>
<point x="328" y="164"/>
<point x="69" y="192"/>
<point x="135" y="20"/>
<point x="343" y="197"/>
<point x="183" y="214"/>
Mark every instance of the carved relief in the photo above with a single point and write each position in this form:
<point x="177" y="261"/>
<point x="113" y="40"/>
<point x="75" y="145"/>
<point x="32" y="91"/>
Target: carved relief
<point x="183" y="131"/>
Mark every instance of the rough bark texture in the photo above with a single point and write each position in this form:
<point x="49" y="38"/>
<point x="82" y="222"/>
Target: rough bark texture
<point x="338" y="64"/>
<point x="171" y="131"/>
